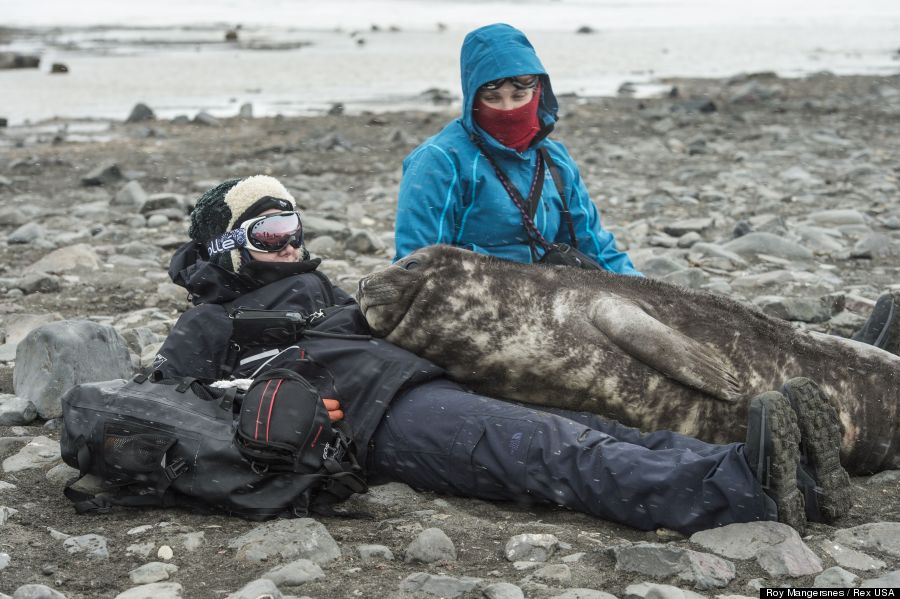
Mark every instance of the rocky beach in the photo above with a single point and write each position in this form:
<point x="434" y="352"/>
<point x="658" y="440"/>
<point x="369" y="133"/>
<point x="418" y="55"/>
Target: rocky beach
<point x="781" y="193"/>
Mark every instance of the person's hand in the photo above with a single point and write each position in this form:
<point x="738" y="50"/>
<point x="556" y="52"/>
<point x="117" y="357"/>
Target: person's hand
<point x="333" y="406"/>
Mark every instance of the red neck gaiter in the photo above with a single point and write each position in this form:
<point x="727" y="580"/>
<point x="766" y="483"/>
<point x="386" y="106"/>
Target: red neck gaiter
<point x="513" y="128"/>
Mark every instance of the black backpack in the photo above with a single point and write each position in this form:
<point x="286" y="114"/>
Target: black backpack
<point x="269" y="452"/>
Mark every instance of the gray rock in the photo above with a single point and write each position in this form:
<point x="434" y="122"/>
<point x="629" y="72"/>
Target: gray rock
<point x="295" y="573"/>
<point x="36" y="591"/>
<point x="660" y="266"/>
<point x="19" y="327"/>
<point x="819" y="240"/>
<point x="531" y="547"/>
<point x="836" y="578"/>
<point x="37" y="453"/>
<point x="442" y="586"/>
<point x="140" y="113"/>
<point x="832" y="218"/>
<point x="152" y="572"/>
<point x="803" y="309"/>
<point x="246" y="111"/>
<point x="163" y="201"/>
<point x="39" y="282"/>
<point x="6" y="513"/>
<point x="891" y="580"/>
<point x="130" y="195"/>
<point x="701" y="252"/>
<point x="689" y="239"/>
<point x="4" y="561"/>
<point x="690" y="225"/>
<point x="884" y="477"/>
<point x="26" y="233"/>
<point x="13" y="216"/>
<point x="503" y="590"/>
<point x="207" y="120"/>
<point x="555" y="574"/>
<point x="693" y="278"/>
<point x="874" y="536"/>
<point x="192" y="541"/>
<point x="583" y="594"/>
<point x="83" y="352"/>
<point x="94" y="546"/>
<point x="155" y="590"/>
<point x="874" y="245"/>
<point x="16" y="411"/>
<point x="157" y="220"/>
<point x="374" y="553"/>
<point x="770" y="244"/>
<point x="799" y="175"/>
<point x="364" y="242"/>
<point x="323" y="245"/>
<point x="73" y="258"/>
<point x="649" y="590"/>
<point x="431" y="545"/>
<point x="108" y="172"/>
<point x="777" y="547"/>
<point x="61" y="474"/>
<point x="290" y="539"/>
<point x="850" y="558"/>
<point x="703" y="570"/>
<point x="314" y="226"/>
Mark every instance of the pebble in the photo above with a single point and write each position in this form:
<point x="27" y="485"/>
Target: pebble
<point x="446" y="587"/>
<point x="290" y="539"/>
<point x="374" y="553"/>
<point x="531" y="547"/>
<point x="130" y="196"/>
<point x="16" y="411"/>
<point x="431" y="545"/>
<point x="152" y="572"/>
<point x="165" y="552"/>
<point x="155" y="590"/>
<point x="776" y="547"/>
<point x="503" y="590"/>
<point x="37" y="591"/>
<point x="295" y="573"/>
<point x="94" y="546"/>
<point x="703" y="570"/>
<point x="836" y="578"/>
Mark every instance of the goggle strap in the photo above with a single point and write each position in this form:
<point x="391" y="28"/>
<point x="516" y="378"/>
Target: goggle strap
<point x="230" y="240"/>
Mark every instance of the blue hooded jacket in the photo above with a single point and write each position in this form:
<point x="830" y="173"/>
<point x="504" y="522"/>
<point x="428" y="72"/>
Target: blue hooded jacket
<point x="450" y="193"/>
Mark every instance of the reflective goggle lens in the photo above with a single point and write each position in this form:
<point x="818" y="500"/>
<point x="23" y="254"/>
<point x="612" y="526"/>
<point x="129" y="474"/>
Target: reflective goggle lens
<point x="273" y="232"/>
<point x="521" y="82"/>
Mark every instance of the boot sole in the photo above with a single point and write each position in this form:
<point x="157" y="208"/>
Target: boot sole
<point x="821" y="444"/>
<point x="782" y="458"/>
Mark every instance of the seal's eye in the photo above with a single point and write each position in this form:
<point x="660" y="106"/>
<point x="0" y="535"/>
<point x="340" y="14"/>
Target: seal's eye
<point x="410" y="265"/>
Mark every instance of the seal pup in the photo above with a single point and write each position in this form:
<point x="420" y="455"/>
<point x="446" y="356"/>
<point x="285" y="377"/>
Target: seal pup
<point x="643" y="352"/>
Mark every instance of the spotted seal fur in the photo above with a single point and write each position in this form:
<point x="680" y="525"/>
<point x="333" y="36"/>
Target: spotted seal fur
<point x="644" y="352"/>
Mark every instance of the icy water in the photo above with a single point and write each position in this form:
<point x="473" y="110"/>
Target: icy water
<point x="301" y="56"/>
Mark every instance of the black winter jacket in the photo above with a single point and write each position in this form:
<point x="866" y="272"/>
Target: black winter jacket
<point x="337" y="354"/>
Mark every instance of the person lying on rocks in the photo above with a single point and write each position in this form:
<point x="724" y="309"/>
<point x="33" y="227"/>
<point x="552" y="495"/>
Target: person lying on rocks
<point x="492" y="181"/>
<point x="412" y="425"/>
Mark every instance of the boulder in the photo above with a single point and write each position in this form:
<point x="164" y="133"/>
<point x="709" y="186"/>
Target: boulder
<point x="140" y="113"/>
<point x="55" y="357"/>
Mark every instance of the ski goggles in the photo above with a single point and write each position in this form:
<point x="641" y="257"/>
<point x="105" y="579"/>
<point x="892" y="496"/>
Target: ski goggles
<point x="267" y="233"/>
<point x="520" y="82"/>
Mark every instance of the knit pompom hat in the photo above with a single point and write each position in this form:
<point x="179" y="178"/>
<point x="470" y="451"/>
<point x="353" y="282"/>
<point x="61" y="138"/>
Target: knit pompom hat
<point x="228" y="204"/>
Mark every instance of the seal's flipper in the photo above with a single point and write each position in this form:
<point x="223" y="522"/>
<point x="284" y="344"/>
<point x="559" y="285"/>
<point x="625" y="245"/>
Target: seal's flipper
<point x="663" y="348"/>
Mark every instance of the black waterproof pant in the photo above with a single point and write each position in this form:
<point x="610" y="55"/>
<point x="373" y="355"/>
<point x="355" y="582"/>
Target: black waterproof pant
<point x="439" y="437"/>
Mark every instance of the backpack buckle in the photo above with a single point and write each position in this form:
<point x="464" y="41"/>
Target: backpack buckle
<point x="175" y="469"/>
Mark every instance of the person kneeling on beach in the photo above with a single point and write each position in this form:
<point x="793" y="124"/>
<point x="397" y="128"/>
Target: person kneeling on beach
<point x="412" y="425"/>
<point x="492" y="181"/>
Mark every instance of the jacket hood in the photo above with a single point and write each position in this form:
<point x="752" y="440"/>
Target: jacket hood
<point x="209" y="283"/>
<point x="497" y="51"/>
